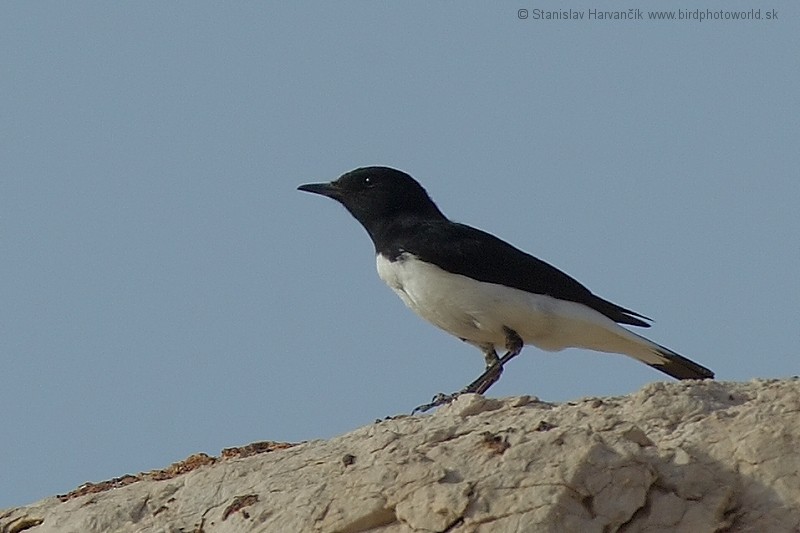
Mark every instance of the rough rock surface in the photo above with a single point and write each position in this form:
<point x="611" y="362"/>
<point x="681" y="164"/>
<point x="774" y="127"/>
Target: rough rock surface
<point x="688" y="456"/>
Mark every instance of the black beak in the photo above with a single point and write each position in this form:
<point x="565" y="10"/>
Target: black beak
<point x="325" y="189"/>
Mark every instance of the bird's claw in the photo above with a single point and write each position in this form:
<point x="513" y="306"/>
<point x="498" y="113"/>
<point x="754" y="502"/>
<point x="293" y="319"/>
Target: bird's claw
<point x="439" y="399"/>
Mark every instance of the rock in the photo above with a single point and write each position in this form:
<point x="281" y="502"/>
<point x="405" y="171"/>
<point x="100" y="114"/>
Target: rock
<point x="686" y="457"/>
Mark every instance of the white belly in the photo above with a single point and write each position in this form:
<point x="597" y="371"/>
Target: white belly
<point x="477" y="312"/>
<point x="471" y="310"/>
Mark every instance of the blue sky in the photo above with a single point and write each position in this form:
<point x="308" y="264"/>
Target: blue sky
<point x="166" y="290"/>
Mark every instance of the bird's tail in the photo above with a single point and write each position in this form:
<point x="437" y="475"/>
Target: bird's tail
<point x="659" y="357"/>
<point x="678" y="366"/>
<point x="583" y="327"/>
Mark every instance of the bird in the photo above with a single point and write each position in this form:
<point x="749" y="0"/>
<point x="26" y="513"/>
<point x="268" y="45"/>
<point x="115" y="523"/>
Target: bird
<point x="481" y="289"/>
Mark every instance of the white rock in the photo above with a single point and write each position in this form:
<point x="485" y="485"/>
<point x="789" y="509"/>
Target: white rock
<point x="688" y="456"/>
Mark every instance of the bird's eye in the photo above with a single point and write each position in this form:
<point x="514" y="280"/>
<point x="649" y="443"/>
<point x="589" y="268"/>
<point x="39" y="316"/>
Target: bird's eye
<point x="368" y="181"/>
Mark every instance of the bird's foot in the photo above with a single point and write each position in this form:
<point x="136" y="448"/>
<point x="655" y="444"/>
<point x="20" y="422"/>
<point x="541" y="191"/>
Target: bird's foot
<point x="479" y="386"/>
<point x="439" y="399"/>
<point x="494" y="369"/>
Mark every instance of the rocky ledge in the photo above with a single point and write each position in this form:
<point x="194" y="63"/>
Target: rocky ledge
<point x="689" y="456"/>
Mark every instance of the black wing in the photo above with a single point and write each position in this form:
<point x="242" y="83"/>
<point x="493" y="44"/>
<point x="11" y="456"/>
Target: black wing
<point x="465" y="250"/>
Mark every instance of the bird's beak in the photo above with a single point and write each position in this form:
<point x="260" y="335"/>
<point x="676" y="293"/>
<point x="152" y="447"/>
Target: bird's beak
<point x="325" y="189"/>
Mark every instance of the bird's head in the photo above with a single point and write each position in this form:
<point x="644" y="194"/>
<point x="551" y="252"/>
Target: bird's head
<point x="376" y="196"/>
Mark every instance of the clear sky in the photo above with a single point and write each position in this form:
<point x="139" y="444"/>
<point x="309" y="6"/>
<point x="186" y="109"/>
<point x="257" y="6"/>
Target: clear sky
<point x="166" y="290"/>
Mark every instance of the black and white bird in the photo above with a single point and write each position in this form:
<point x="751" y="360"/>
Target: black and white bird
<point x="481" y="289"/>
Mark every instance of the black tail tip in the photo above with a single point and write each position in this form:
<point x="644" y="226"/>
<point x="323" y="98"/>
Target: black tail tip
<point x="679" y="367"/>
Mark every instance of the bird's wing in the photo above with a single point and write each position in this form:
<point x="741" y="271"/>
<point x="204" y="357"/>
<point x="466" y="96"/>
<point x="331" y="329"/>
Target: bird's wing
<point x="468" y="251"/>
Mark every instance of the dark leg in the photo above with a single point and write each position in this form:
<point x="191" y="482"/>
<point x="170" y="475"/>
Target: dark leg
<point x="494" y="369"/>
<point x="492" y="373"/>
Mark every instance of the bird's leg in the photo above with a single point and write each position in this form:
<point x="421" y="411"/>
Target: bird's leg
<point x="494" y="369"/>
<point x="490" y="356"/>
<point x="493" y="372"/>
